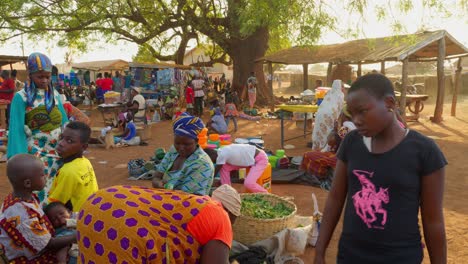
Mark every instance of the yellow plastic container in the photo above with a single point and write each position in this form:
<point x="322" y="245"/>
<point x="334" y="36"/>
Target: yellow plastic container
<point x="265" y="179"/>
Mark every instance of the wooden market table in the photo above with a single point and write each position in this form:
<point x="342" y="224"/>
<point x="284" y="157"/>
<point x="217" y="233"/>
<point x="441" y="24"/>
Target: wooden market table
<point x="298" y="109"/>
<point x="415" y="104"/>
<point x="110" y="113"/>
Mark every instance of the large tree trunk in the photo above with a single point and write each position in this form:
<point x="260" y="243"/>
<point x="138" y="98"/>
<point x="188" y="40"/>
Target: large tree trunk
<point x="244" y="52"/>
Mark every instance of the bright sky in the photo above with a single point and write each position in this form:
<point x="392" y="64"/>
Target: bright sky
<point x="456" y="24"/>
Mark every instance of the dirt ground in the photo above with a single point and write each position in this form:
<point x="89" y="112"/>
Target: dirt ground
<point x="451" y="135"/>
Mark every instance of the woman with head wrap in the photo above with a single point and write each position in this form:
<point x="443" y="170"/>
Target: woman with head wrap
<point x="142" y="225"/>
<point x="326" y="116"/>
<point x="36" y="118"/>
<point x="185" y="166"/>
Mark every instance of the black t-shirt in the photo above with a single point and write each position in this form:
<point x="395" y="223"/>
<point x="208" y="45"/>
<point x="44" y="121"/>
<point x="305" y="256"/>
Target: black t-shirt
<point x="381" y="214"/>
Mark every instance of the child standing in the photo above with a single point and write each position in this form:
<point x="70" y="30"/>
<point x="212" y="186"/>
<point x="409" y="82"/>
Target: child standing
<point x="231" y="113"/>
<point x="22" y="220"/>
<point x="75" y="181"/>
<point x="189" y="98"/>
<point x="385" y="174"/>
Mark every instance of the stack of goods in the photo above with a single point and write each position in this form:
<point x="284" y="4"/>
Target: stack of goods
<point x="203" y="138"/>
<point x="320" y="93"/>
<point x="111" y="97"/>
<point x="308" y="96"/>
<point x="213" y="141"/>
<point x="279" y="160"/>
<point x="225" y="140"/>
<point x="262" y="216"/>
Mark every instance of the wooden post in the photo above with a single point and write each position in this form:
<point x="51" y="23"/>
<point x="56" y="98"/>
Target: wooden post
<point x="11" y="67"/>
<point x="270" y="84"/>
<point x="404" y="84"/>
<point x="305" y="70"/>
<point x="382" y="67"/>
<point x="439" y="108"/>
<point x="456" y="88"/>
<point x="359" y="70"/>
<point x="329" y="74"/>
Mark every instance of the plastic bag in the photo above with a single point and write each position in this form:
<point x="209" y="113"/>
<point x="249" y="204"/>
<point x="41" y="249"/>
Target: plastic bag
<point x="313" y="236"/>
<point x="297" y="239"/>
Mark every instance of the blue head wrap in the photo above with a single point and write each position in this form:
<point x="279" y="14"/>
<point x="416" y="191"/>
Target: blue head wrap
<point x="39" y="62"/>
<point x="187" y="126"/>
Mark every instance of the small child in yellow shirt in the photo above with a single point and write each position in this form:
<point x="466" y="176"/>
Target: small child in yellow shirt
<point x="75" y="180"/>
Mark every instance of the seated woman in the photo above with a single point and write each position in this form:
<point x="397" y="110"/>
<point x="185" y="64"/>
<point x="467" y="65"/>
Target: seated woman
<point x="321" y="164"/>
<point x="185" y="166"/>
<point x="130" y="224"/>
<point x="217" y="124"/>
<point x="128" y="130"/>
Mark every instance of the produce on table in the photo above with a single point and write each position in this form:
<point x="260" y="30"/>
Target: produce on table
<point x="258" y="207"/>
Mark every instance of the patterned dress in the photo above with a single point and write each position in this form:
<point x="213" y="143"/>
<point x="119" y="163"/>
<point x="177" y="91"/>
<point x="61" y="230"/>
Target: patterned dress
<point x="195" y="176"/>
<point x="25" y="231"/>
<point x="325" y="118"/>
<point x="129" y="224"/>
<point x="32" y="130"/>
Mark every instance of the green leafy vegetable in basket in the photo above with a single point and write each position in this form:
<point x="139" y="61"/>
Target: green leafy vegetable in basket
<point x="258" y="207"/>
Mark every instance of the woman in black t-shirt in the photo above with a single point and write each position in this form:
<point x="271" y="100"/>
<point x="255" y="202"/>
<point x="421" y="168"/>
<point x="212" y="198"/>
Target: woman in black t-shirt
<point x="385" y="174"/>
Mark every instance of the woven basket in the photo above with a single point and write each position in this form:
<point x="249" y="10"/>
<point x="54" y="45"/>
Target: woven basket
<point x="249" y="230"/>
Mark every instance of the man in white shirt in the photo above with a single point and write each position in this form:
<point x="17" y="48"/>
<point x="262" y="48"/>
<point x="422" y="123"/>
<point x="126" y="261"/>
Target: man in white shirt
<point x="199" y="94"/>
<point x="137" y="104"/>
<point x="237" y="156"/>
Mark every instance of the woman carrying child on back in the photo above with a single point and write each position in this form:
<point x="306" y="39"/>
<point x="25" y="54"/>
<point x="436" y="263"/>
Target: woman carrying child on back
<point x="385" y="174"/>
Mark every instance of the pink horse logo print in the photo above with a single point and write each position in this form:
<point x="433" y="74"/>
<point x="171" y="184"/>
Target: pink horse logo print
<point x="368" y="202"/>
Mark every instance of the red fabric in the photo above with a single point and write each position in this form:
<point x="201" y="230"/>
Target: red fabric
<point x="318" y="163"/>
<point x="44" y="257"/>
<point x="99" y="82"/>
<point x="106" y="84"/>
<point x="204" y="229"/>
<point x="8" y="84"/>
<point x="68" y="108"/>
<point x="189" y="95"/>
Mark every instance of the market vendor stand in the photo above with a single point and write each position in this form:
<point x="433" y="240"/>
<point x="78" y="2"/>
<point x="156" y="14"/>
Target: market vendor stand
<point x="110" y="113"/>
<point x="299" y="109"/>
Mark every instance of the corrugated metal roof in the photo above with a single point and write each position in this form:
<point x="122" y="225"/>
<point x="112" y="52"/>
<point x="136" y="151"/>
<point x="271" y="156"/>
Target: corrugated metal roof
<point x="105" y="65"/>
<point x="158" y="65"/>
<point x="394" y="48"/>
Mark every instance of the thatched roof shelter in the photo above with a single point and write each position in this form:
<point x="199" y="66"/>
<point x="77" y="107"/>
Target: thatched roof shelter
<point x="10" y="60"/>
<point x="395" y="48"/>
<point x="426" y="46"/>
